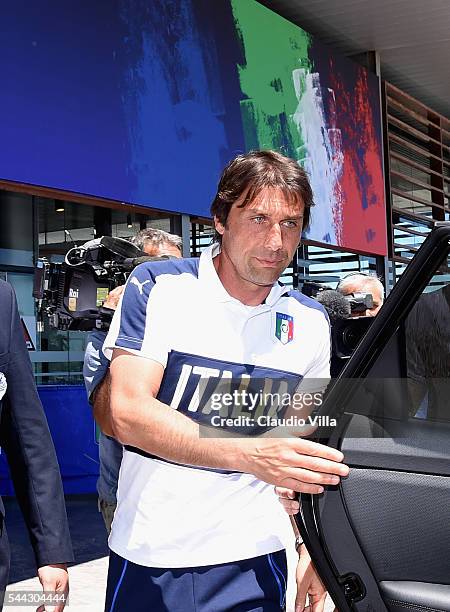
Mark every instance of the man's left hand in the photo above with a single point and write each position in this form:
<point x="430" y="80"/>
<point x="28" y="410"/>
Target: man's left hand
<point x="308" y="584"/>
<point x="112" y="301"/>
<point x="54" y="579"/>
<point x="288" y="499"/>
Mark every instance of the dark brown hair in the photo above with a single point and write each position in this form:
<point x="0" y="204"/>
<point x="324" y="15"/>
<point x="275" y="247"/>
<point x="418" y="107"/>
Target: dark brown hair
<point x="254" y="171"/>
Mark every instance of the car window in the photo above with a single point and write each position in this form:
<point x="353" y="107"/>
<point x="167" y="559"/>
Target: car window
<point x="410" y="377"/>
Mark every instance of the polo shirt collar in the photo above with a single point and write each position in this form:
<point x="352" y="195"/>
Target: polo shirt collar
<point x="208" y="276"/>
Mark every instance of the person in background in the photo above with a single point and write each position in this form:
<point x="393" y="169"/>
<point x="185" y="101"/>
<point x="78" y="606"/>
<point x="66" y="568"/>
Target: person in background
<point x="155" y="243"/>
<point x="26" y="440"/>
<point x="363" y="283"/>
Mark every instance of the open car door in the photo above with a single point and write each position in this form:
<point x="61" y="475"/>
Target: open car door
<point x="381" y="539"/>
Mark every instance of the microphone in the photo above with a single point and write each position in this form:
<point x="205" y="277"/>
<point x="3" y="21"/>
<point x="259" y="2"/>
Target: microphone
<point x="337" y="307"/>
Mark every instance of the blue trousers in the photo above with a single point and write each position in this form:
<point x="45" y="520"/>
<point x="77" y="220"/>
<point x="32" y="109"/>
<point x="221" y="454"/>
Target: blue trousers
<point x="252" y="585"/>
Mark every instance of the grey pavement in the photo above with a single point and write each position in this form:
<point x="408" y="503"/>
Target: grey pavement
<point x="88" y="573"/>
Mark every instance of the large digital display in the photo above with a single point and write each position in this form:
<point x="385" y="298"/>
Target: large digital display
<point x="144" y="101"/>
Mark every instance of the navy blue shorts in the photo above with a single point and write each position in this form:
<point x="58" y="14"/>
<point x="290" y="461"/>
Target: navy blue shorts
<point x="252" y="585"/>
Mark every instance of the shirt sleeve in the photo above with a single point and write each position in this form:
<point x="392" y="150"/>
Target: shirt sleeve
<point x="95" y="364"/>
<point x="139" y="324"/>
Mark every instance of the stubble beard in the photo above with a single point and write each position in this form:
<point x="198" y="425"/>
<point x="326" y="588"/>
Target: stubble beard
<point x="263" y="277"/>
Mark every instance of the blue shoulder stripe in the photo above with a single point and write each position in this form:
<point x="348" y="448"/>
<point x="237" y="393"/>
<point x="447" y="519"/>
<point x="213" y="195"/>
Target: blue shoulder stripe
<point x="136" y="295"/>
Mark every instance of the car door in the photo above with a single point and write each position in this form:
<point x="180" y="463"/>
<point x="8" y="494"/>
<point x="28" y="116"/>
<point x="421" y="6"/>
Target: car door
<point x="381" y="539"/>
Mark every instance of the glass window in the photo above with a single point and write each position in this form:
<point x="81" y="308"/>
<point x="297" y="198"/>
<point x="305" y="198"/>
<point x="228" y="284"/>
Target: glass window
<point x="61" y="224"/>
<point x="411" y="376"/>
<point x="16" y="229"/>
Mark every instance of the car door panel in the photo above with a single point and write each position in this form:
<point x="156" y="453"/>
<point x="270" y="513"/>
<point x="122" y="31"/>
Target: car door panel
<point x="387" y="508"/>
<point x="339" y="539"/>
<point x="375" y="520"/>
<point x="406" y="596"/>
<point x="382" y="538"/>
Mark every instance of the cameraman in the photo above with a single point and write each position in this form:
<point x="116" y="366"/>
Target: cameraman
<point x="357" y="282"/>
<point x="155" y="243"/>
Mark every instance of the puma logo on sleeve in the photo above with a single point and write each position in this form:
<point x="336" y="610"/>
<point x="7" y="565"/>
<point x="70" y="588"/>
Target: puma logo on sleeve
<point x="140" y="286"/>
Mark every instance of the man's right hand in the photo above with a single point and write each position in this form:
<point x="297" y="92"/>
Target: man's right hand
<point x="293" y="463"/>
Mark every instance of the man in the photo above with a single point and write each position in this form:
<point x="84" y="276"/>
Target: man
<point x="197" y="525"/>
<point x="26" y="440"/>
<point x="363" y="283"/>
<point x="155" y="243"/>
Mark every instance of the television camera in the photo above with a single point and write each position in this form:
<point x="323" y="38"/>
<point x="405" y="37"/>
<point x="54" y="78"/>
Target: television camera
<point x="71" y="293"/>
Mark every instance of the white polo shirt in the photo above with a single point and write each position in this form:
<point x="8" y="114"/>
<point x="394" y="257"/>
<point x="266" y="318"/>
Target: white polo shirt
<point x="178" y="313"/>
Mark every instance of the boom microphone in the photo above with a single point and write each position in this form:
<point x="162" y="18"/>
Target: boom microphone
<point x="337" y="307"/>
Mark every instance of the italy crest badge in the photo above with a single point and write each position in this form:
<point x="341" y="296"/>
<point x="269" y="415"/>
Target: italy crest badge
<point x="284" y="327"/>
